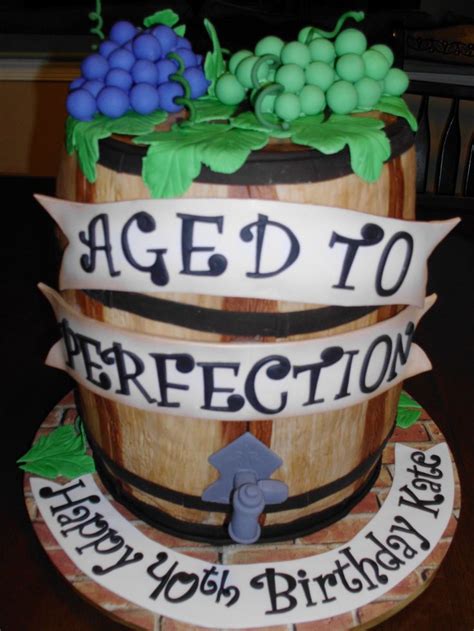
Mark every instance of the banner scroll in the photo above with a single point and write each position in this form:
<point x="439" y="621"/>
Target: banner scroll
<point x="236" y="381"/>
<point x="246" y="248"/>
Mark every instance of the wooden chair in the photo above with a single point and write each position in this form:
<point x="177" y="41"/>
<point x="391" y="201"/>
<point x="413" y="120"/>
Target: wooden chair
<point x="443" y="199"/>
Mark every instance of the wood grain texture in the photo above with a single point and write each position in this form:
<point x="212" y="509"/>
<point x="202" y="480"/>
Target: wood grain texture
<point x="317" y="448"/>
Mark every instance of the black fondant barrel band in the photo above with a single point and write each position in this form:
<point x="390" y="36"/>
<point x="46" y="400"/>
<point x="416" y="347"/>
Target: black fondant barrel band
<point x="218" y="534"/>
<point x="262" y="167"/>
<point x="186" y="500"/>
<point x="229" y="322"/>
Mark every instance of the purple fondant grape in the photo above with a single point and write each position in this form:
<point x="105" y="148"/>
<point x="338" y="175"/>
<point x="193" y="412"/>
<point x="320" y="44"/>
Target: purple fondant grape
<point x="81" y="105"/>
<point x="94" y="86"/>
<point x="166" y="36"/>
<point x="122" y="32"/>
<point x="146" y="46"/>
<point x="165" y="67"/>
<point x="119" y="78"/>
<point x="129" y="46"/>
<point x="167" y="92"/>
<point x="197" y="81"/>
<point x="188" y="57"/>
<point x="199" y="59"/>
<point x="76" y="84"/>
<point x="182" y="42"/>
<point x="94" y="67"/>
<point x="145" y="71"/>
<point x="113" y="102"/>
<point x="122" y="58"/>
<point x="144" y="98"/>
<point x="107" y="47"/>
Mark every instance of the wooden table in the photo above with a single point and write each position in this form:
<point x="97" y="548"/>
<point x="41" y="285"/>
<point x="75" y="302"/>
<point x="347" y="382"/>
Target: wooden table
<point x="35" y="596"/>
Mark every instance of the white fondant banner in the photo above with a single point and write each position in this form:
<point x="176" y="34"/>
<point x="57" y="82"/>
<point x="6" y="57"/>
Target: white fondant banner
<point x="236" y="381"/>
<point x="106" y="547"/>
<point x="246" y="248"/>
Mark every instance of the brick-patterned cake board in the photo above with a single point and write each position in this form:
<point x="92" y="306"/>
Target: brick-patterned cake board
<point x="424" y="435"/>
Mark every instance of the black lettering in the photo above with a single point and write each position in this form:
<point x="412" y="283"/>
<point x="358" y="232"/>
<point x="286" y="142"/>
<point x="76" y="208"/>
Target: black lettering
<point x="70" y="342"/>
<point x="88" y="261"/>
<point x="396" y="542"/>
<point x="371" y="234"/>
<point x="261" y="229"/>
<point x="184" y="364"/>
<point x="418" y="503"/>
<point x="116" y="354"/>
<point x="366" y="388"/>
<point x="279" y="370"/>
<point x="372" y="581"/>
<point x="47" y="493"/>
<point x="398" y="236"/>
<point x="269" y="579"/>
<point x="400" y="353"/>
<point x="304" y="582"/>
<point x="125" y="559"/>
<point x="85" y="345"/>
<point x="162" y="580"/>
<point x="344" y="391"/>
<point x="97" y="520"/>
<point x="235" y="402"/>
<point x="329" y="357"/>
<point x="227" y="591"/>
<point x="217" y="263"/>
<point x="408" y="529"/>
<point x="321" y="580"/>
<point x="385" y="557"/>
<point x="145" y="223"/>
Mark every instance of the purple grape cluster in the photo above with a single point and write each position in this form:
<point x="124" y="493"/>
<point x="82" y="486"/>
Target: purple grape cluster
<point x="133" y="70"/>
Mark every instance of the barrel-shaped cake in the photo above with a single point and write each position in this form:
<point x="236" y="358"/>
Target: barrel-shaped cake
<point x="185" y="472"/>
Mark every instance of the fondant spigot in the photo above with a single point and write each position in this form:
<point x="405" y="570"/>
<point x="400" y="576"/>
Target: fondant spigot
<point x="248" y="501"/>
<point x="245" y="466"/>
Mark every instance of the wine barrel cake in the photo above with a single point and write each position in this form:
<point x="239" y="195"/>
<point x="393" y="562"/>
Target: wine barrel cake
<point x="161" y="465"/>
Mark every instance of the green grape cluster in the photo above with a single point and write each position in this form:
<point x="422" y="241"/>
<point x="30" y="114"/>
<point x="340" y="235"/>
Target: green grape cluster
<point x="317" y="71"/>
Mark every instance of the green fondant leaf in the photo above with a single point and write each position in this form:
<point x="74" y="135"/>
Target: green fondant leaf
<point x="71" y="124"/>
<point x="214" y="63"/>
<point x="406" y="418"/>
<point x="406" y="401"/>
<point x="85" y="136"/>
<point x="408" y="411"/>
<point x="60" y="453"/>
<point x="397" y="106"/>
<point x="170" y="168"/>
<point x="180" y="30"/>
<point x="248" y="120"/>
<point x="166" y="17"/>
<point x="368" y="145"/>
<point x="132" y="124"/>
<point x="227" y="151"/>
<point x="174" y="158"/>
<point x="211" y="109"/>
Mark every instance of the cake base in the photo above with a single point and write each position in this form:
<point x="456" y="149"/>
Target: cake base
<point x="424" y="435"/>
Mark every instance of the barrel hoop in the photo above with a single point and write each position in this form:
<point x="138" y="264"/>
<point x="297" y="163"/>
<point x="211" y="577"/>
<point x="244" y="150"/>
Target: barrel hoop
<point x="186" y="500"/>
<point x="218" y="534"/>
<point x="261" y="167"/>
<point x="246" y="324"/>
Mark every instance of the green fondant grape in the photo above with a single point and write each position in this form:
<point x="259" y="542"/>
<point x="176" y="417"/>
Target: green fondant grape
<point x="322" y="50"/>
<point x="268" y="104"/>
<point x="369" y="92"/>
<point x="244" y="71"/>
<point x="376" y="65"/>
<point x="320" y="74"/>
<point x="287" y="106"/>
<point x="312" y="100"/>
<point x="228" y="89"/>
<point x="385" y="51"/>
<point x="270" y="45"/>
<point x="236" y="58"/>
<point x="342" y="97"/>
<point x="295" y="53"/>
<point x="291" y="77"/>
<point x="350" y="41"/>
<point x="307" y="31"/>
<point x="396" y="82"/>
<point x="350" y="67"/>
